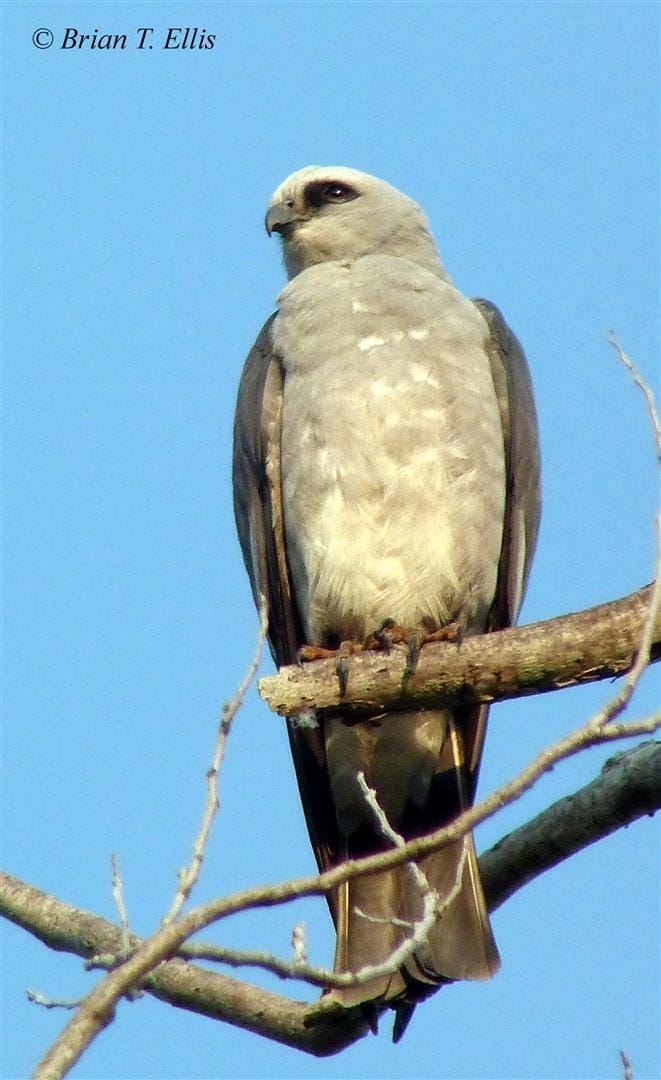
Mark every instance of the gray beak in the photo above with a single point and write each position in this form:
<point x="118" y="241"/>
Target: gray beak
<point x="279" y="217"/>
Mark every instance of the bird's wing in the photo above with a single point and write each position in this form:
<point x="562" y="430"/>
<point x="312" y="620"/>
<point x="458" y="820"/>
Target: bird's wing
<point x="260" y="524"/>
<point x="511" y="377"/>
<point x="258" y="497"/>
<point x="518" y="415"/>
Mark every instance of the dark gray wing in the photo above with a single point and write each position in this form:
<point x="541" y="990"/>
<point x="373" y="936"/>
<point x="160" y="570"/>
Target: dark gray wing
<point x="518" y="415"/>
<point x="511" y="377"/>
<point x="260" y="524"/>
<point x="258" y="496"/>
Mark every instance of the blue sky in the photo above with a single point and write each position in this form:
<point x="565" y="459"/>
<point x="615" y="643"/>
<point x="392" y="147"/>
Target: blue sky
<point x="137" y="274"/>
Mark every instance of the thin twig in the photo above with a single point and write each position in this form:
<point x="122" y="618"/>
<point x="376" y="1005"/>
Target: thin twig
<point x="604" y="720"/>
<point x="188" y="875"/>
<point x="118" y="897"/>
<point x="615" y="707"/>
<point x="299" y="943"/>
<point x="37" y="998"/>
<point x="627" y="1067"/>
<point x="642" y="386"/>
<point x="433" y="907"/>
<point x="430" y="900"/>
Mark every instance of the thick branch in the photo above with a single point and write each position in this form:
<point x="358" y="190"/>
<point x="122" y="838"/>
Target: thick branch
<point x="595" y="644"/>
<point x="97" y="1010"/>
<point x="629" y="787"/>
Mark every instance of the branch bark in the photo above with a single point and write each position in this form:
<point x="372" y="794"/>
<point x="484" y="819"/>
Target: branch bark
<point x="598" y="643"/>
<point x="629" y="787"/>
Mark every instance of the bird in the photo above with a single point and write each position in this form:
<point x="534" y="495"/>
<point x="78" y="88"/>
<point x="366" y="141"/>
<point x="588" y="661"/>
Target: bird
<point x="386" y="473"/>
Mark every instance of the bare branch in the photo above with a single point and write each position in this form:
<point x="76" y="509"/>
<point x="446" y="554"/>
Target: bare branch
<point x="642" y="386"/>
<point x="118" y="897"/>
<point x="299" y="944"/>
<point x="97" y="1009"/>
<point x="644" y="652"/>
<point x="627" y="1070"/>
<point x="189" y="874"/>
<point x="38" y="998"/>
<point x="298" y="968"/>
<point x="598" y="643"/>
<point x="628" y="788"/>
<point x="99" y="1005"/>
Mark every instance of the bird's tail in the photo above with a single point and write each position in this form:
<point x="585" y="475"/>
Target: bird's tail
<point x="375" y="914"/>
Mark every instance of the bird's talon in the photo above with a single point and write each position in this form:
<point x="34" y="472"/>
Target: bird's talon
<point x="412" y="655"/>
<point x="342" y="670"/>
<point x="381" y="637"/>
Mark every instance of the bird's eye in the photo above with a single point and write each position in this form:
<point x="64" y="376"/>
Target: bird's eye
<point x="319" y="193"/>
<point x="338" y="192"/>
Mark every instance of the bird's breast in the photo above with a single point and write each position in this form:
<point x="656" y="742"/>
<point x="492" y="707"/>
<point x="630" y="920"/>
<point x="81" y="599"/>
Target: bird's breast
<point x="392" y="449"/>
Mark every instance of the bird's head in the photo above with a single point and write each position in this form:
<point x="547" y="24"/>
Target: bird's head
<point x="335" y="214"/>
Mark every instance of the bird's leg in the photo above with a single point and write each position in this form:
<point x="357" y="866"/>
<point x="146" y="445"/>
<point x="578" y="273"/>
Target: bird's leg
<point x="413" y="646"/>
<point x="342" y="665"/>
<point x="308" y="653"/>
<point x="452" y="632"/>
<point x="381" y="637"/>
<point x="389" y="633"/>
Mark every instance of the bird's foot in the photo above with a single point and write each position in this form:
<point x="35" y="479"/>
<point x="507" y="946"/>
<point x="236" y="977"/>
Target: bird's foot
<point x="383" y="638"/>
<point x="346" y="649"/>
<point x="386" y="635"/>
<point x="389" y="633"/>
<point x="308" y="653"/>
<point x="454" y="632"/>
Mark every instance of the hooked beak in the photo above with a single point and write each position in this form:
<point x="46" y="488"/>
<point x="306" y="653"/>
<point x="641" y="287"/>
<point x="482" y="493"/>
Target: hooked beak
<point x="280" y="217"/>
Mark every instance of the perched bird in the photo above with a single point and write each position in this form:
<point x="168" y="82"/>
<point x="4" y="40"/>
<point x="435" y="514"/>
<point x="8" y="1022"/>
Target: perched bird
<point x="386" y="467"/>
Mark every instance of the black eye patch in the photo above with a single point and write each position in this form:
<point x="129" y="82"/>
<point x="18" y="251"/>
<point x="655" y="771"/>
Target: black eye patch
<point x="321" y="192"/>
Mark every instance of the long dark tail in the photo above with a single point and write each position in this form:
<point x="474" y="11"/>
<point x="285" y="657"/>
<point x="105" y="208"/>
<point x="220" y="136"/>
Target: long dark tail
<point x="419" y="767"/>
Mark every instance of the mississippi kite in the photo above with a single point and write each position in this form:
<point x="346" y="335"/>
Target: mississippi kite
<point x="386" y="467"/>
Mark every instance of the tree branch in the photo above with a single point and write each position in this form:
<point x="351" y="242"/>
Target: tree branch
<point x="97" y="1010"/>
<point x="595" y="644"/>
<point x="188" y="875"/>
<point x="629" y="787"/>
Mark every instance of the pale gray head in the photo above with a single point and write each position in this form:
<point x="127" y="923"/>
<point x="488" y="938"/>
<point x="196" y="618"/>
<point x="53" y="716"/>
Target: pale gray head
<point x="335" y="214"/>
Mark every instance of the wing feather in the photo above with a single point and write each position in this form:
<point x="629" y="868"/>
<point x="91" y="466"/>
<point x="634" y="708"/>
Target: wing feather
<point x="511" y="377"/>
<point x="260" y="524"/>
<point x="518" y="415"/>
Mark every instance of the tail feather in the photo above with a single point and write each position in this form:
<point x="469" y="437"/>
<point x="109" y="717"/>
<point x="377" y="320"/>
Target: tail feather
<point x="367" y="934"/>
<point x="374" y="914"/>
<point x="461" y="944"/>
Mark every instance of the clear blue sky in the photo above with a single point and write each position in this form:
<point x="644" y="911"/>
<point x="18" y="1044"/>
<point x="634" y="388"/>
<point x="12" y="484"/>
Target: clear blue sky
<point x="137" y="274"/>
